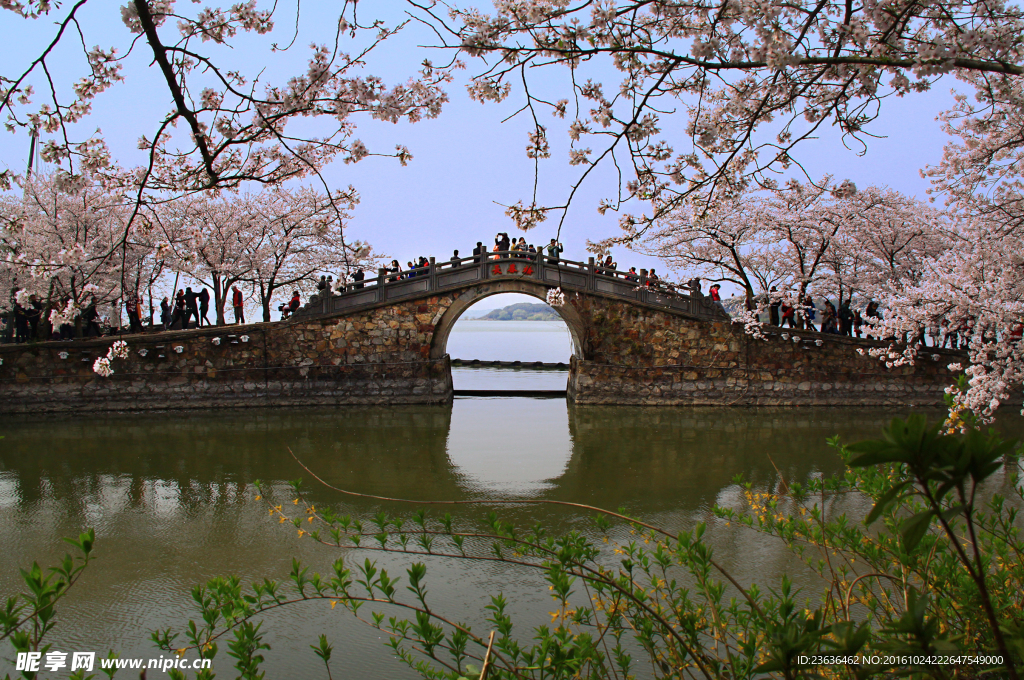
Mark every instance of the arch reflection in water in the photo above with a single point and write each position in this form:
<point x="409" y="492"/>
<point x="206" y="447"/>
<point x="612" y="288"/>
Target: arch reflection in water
<point x="516" y="446"/>
<point x="173" y="505"/>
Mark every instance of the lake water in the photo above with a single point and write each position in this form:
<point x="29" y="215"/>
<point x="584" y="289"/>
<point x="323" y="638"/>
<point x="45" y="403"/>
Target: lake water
<point x="547" y="341"/>
<point x="172" y="500"/>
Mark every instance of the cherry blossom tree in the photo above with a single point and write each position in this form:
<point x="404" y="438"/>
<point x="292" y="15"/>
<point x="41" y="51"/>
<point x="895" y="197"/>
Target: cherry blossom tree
<point x="975" y="286"/>
<point x="975" y="289"/>
<point x="210" y="240"/>
<point x="296" y="235"/>
<point x="725" y="243"/>
<point x="224" y="127"/>
<point x="60" y="238"/>
<point x="744" y="82"/>
<point x="822" y="237"/>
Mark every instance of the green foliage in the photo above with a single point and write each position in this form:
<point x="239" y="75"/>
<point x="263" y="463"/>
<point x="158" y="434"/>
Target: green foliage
<point x="934" y="567"/>
<point x="928" y="577"/>
<point x="28" y="617"/>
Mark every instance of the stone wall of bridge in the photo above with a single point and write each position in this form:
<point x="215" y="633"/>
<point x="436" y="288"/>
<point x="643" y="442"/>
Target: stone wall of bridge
<point x="394" y="353"/>
<point x="643" y="356"/>
<point x="378" y="356"/>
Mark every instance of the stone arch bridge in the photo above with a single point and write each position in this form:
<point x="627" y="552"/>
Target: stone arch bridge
<point x="384" y="340"/>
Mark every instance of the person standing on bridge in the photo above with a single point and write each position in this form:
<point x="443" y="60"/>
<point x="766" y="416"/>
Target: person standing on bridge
<point x="716" y="298"/>
<point x="554" y="251"/>
<point x="236" y="303"/>
<point x="358" y="278"/>
<point x="456" y="260"/>
<point x="478" y="252"/>
<point x="845" y="316"/>
<point x="521" y="247"/>
<point x="810" y="311"/>
<point x="204" y="306"/>
<point x="165" y="313"/>
<point x="191" y="308"/>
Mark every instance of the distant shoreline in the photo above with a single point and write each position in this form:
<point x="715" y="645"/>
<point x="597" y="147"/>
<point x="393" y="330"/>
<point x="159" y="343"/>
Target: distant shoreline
<point x="522" y="311"/>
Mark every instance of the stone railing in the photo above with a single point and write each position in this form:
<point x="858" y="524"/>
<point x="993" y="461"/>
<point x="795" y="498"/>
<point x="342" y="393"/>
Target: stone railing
<point x="551" y="272"/>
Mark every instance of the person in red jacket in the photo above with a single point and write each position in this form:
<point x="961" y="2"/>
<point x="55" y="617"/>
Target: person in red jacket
<point x="292" y="306"/>
<point x="716" y="297"/>
<point x="236" y="302"/>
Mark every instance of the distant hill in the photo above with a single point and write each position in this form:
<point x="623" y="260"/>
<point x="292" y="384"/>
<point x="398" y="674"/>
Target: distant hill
<point x="523" y="311"/>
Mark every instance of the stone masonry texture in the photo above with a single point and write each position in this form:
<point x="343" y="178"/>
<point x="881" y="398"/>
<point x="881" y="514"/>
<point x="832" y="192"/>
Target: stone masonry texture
<point x="641" y="356"/>
<point x="629" y="354"/>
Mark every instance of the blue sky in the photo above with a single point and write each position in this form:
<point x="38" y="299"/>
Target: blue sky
<point x="465" y="162"/>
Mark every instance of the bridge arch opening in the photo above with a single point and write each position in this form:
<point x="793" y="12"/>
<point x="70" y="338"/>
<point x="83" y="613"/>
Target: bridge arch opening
<point x="445" y="326"/>
<point x="519" y="331"/>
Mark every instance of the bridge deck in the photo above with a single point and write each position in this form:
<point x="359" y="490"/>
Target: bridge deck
<point x="460" y="273"/>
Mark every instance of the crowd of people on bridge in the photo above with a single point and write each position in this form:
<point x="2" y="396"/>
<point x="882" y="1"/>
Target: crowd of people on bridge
<point x="190" y="308"/>
<point x="851" y="321"/>
<point x="508" y="248"/>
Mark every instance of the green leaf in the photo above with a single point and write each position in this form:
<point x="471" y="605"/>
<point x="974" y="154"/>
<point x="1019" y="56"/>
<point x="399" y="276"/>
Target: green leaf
<point x="875" y="452"/>
<point x="914" y="529"/>
<point x="885" y="501"/>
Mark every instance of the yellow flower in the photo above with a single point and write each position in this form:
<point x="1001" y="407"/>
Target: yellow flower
<point x="333" y="602"/>
<point x="310" y="518"/>
<point x="180" y="652"/>
<point x="295" y="502"/>
<point x="282" y="520"/>
<point x="301" y="532"/>
<point x="311" y="510"/>
<point x="259" y="498"/>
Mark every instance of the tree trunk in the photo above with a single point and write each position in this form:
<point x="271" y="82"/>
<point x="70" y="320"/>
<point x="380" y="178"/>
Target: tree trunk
<point x="265" y="296"/>
<point x="218" y="299"/>
<point x="44" y="319"/>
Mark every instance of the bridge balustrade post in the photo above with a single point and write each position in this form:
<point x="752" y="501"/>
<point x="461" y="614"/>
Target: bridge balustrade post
<point x="590" y="274"/>
<point x="643" y="285"/>
<point x="382" y="277"/>
<point x="539" y="266"/>
<point x="483" y="264"/>
<point x="433" y="274"/>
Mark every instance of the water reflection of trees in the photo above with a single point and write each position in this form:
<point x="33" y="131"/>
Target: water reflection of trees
<point x="658" y="459"/>
<point x="212" y="459"/>
<point x="175" y="493"/>
<point x="648" y="459"/>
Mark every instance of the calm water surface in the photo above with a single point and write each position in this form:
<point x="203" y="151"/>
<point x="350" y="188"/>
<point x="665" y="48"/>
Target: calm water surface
<point x="547" y="341"/>
<point x="171" y="499"/>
